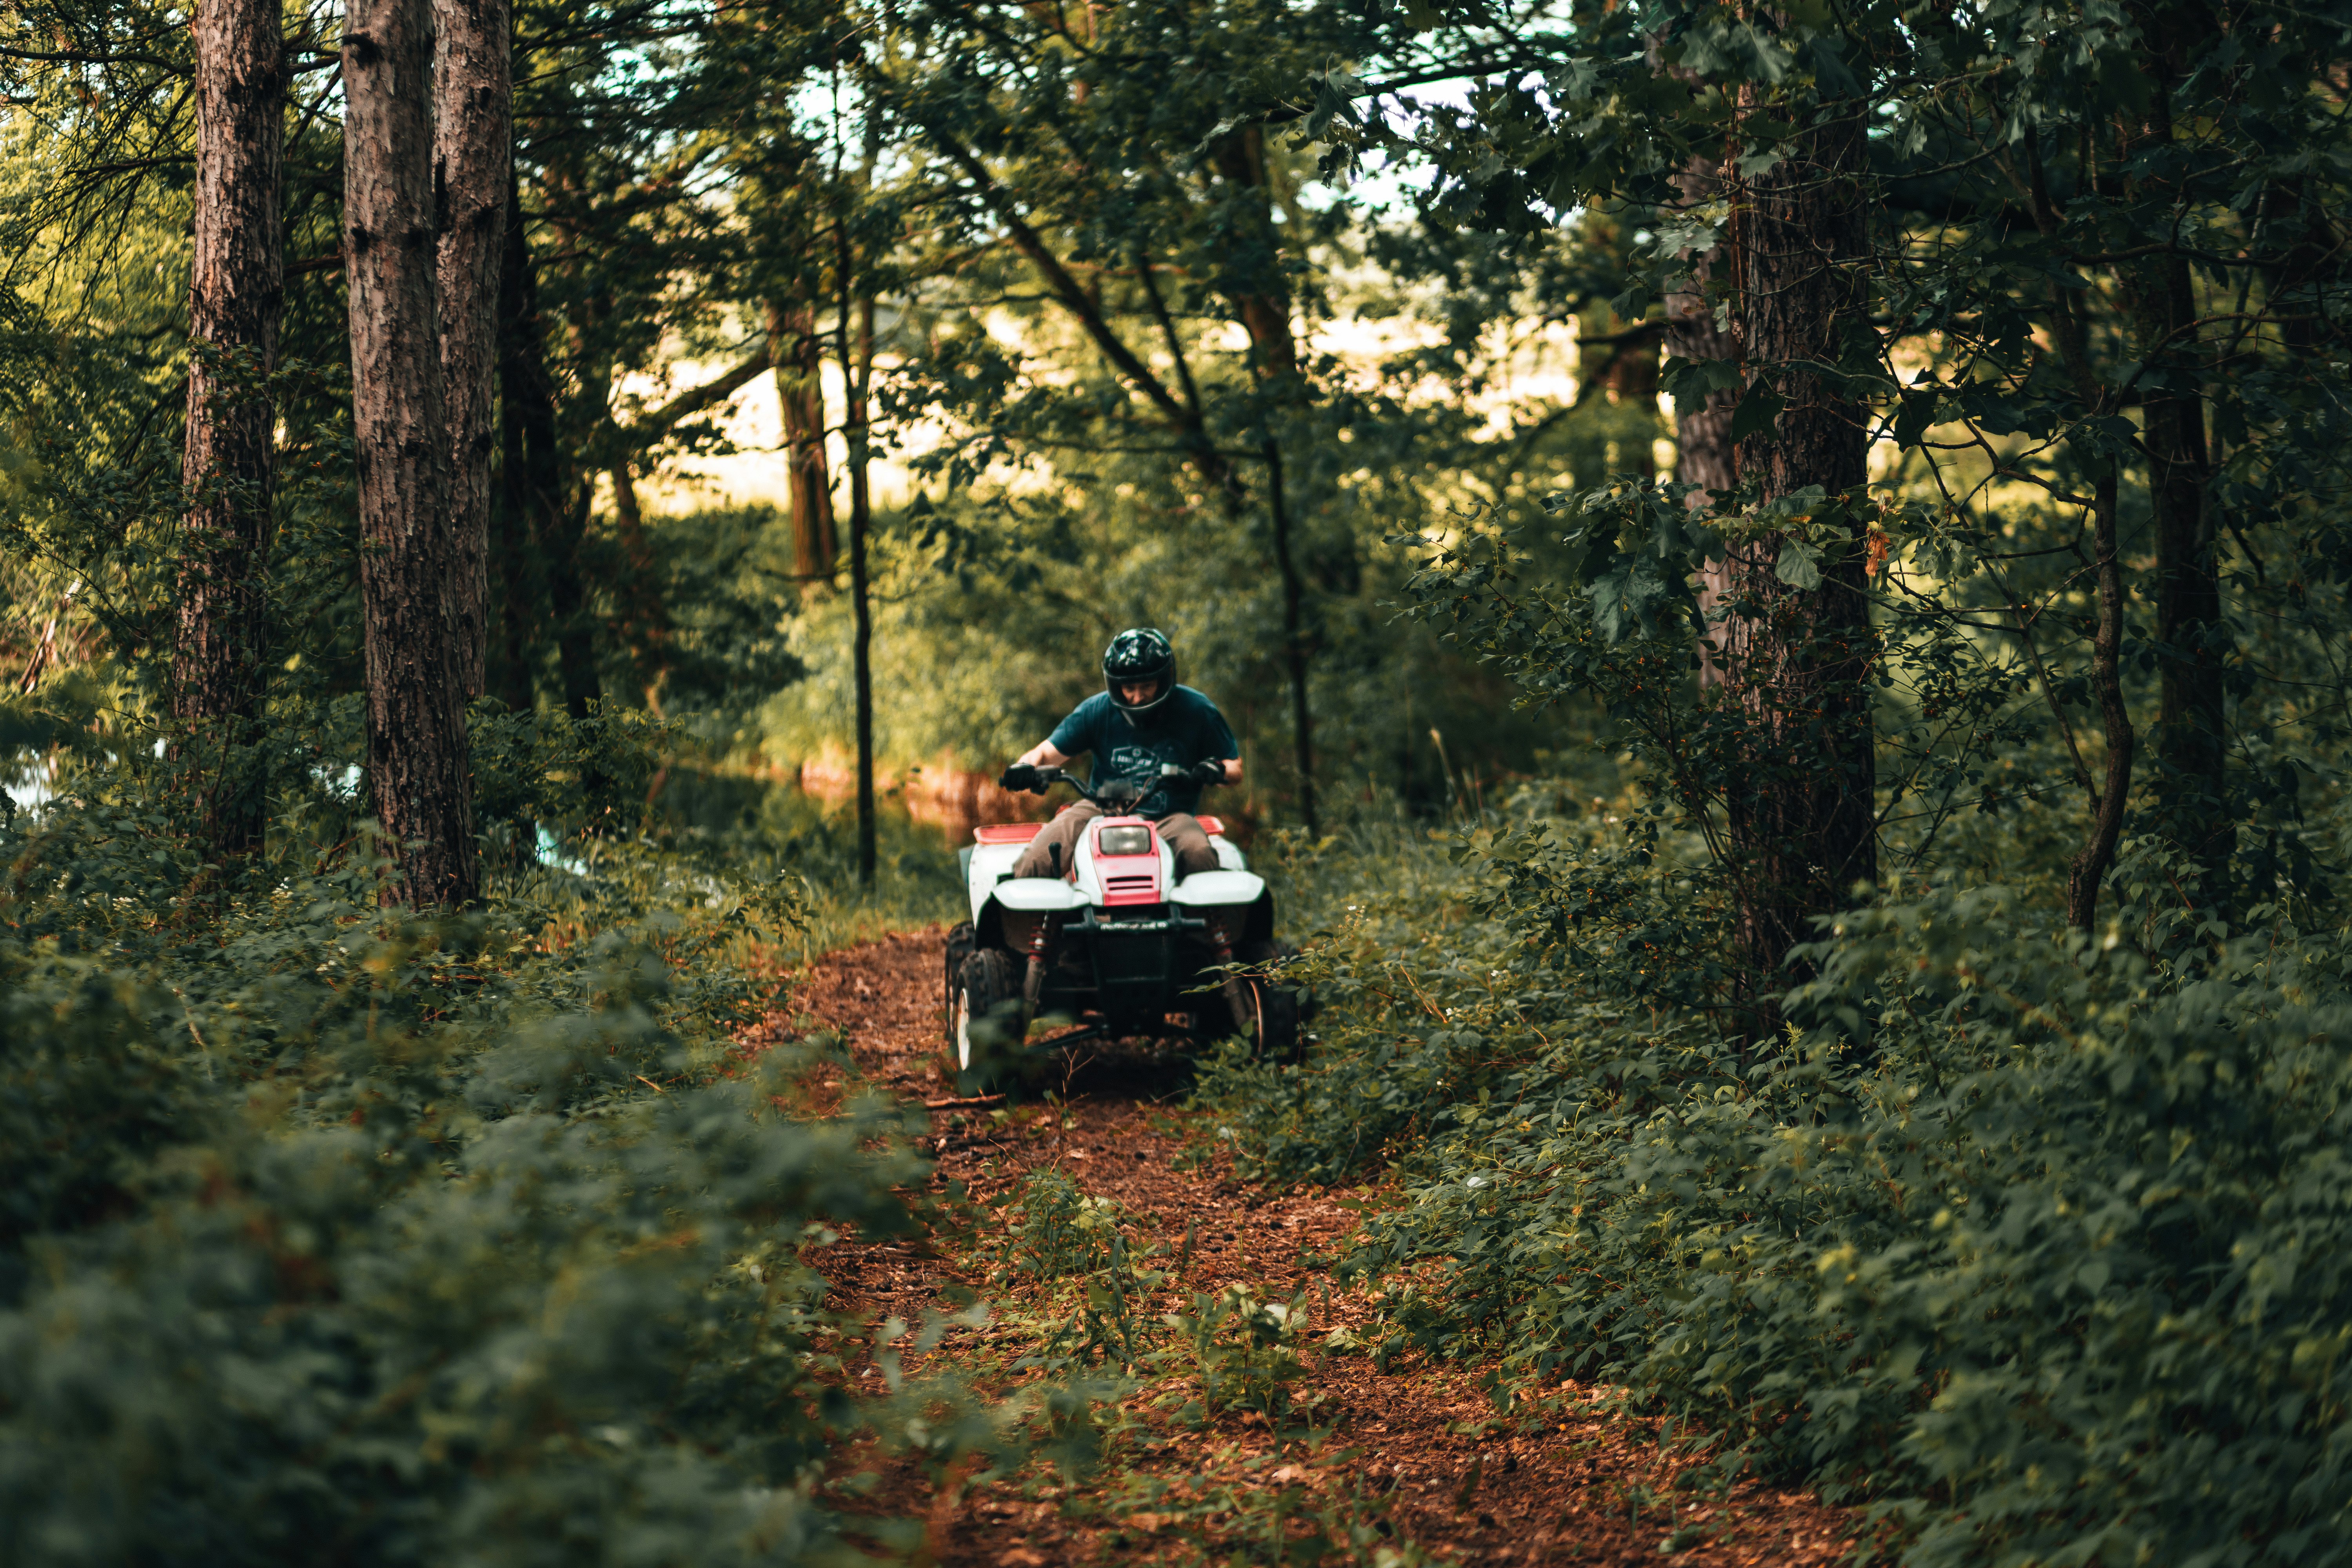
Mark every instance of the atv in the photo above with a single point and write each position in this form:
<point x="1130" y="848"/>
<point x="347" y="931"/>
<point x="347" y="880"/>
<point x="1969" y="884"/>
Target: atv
<point x="1115" y="943"/>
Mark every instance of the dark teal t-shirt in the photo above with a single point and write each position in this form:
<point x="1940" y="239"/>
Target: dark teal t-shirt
<point x="1184" y="729"/>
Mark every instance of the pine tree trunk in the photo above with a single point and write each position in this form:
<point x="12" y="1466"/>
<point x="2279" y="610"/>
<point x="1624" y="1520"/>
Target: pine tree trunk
<point x="794" y="349"/>
<point x="417" y="762"/>
<point x="1264" y="307"/>
<point x="530" y="469"/>
<point x="473" y="159"/>
<point x="566" y="555"/>
<point x="1703" y="425"/>
<point x="1302" y="716"/>
<point x="235" y="298"/>
<point x="2190" y="739"/>
<point x="567" y="606"/>
<point x="1703" y="428"/>
<point x="1800" y="816"/>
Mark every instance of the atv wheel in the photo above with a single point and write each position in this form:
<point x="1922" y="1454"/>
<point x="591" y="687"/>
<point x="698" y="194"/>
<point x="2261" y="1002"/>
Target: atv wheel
<point x="961" y="943"/>
<point x="986" y="987"/>
<point x="1270" y="1020"/>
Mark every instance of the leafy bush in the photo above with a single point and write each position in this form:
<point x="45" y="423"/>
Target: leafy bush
<point x="1243" y="1351"/>
<point x="333" y="1233"/>
<point x="1061" y="1230"/>
<point x="2035" y="1242"/>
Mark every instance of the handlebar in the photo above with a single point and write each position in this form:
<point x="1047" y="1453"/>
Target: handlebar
<point x="1113" y="792"/>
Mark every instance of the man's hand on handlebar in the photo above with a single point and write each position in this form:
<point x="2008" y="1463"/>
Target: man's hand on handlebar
<point x="1119" y="792"/>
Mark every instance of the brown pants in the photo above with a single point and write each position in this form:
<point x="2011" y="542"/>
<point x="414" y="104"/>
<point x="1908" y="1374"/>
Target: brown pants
<point x="1181" y="829"/>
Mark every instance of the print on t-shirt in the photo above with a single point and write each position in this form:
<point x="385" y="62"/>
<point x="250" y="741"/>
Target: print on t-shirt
<point x="1184" y="729"/>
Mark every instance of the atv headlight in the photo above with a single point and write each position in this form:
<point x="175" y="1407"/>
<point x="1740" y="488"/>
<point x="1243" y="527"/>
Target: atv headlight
<point x="1123" y="841"/>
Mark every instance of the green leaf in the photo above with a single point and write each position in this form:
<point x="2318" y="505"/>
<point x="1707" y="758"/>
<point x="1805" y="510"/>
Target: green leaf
<point x="1695" y="378"/>
<point x="1830" y="68"/>
<point x="1800" y="565"/>
<point x="1917" y="414"/>
<point x="1757" y="409"/>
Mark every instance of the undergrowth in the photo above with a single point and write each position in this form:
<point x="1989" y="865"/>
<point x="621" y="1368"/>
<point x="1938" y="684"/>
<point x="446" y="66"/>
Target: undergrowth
<point x="2031" y="1244"/>
<point x="331" y="1232"/>
<point x="1089" y="1297"/>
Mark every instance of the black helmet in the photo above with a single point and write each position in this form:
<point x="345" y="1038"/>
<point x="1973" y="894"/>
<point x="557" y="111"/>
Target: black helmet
<point x="1134" y="656"/>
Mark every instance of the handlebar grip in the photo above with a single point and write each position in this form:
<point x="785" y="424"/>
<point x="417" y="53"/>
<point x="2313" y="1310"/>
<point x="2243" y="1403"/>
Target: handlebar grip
<point x="1024" y="776"/>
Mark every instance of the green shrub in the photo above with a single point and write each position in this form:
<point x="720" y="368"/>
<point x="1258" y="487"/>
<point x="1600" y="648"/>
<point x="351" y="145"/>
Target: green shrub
<point x="2037" y="1244"/>
<point x="330" y="1234"/>
<point x="1061" y="1230"/>
<point x="1243" y="1354"/>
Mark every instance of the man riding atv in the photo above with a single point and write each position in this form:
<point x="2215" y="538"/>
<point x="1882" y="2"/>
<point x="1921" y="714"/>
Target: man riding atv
<point x="1137" y="726"/>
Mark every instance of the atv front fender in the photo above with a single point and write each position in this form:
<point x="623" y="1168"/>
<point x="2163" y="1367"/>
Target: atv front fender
<point x="1039" y="895"/>
<point x="1219" y="887"/>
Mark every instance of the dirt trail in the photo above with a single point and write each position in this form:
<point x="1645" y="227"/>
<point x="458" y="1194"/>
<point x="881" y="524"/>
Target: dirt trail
<point x="1591" y="1486"/>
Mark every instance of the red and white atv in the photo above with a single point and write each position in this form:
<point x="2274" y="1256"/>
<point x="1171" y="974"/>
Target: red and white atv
<point x="1116" y="943"/>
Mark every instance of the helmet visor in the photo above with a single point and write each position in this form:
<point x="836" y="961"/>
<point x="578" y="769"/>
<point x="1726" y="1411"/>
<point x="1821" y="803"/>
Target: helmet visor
<point x="1135" y="695"/>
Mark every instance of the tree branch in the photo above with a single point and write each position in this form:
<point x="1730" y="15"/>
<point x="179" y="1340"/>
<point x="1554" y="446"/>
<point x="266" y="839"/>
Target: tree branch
<point x="651" y="428"/>
<point x="1073" y="299"/>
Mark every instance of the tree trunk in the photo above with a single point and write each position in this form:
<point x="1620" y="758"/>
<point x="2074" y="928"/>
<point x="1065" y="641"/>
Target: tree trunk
<point x="799" y="357"/>
<point x="1800" y="816"/>
<point x="1703" y="425"/>
<point x="591" y="369"/>
<point x="1263" y="303"/>
<point x="567" y="605"/>
<point x="418" y="767"/>
<point x="1632" y="380"/>
<point x="2087" y="869"/>
<point x="856" y="374"/>
<point x="1302" y="718"/>
<point x="644" y="627"/>
<point x="473" y="160"/>
<point x="2305" y="241"/>
<point x="2190" y="739"/>
<point x="235" y="297"/>
<point x="2089" y="866"/>
<point x="530" y="469"/>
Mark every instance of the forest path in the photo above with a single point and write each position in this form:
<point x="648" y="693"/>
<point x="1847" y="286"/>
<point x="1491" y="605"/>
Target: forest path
<point x="1417" y="1449"/>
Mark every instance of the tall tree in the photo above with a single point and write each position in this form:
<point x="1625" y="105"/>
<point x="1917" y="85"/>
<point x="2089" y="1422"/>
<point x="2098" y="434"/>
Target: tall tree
<point x="418" y="668"/>
<point x="532" y="494"/>
<point x="235" y="297"/>
<point x="798" y="350"/>
<point x="473" y="135"/>
<point x="1799" y="808"/>
<point x="854" y="282"/>
<point x="1147" y="219"/>
<point x="1703" y="414"/>
<point x="1260" y="292"/>
<point x="2166" y="325"/>
<point x="2160" y="297"/>
<point x="856" y="377"/>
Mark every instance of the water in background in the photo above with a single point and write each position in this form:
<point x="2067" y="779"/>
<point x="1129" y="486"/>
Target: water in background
<point x="812" y="829"/>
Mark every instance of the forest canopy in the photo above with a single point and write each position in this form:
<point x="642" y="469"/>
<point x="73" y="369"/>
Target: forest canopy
<point x="1833" y="517"/>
